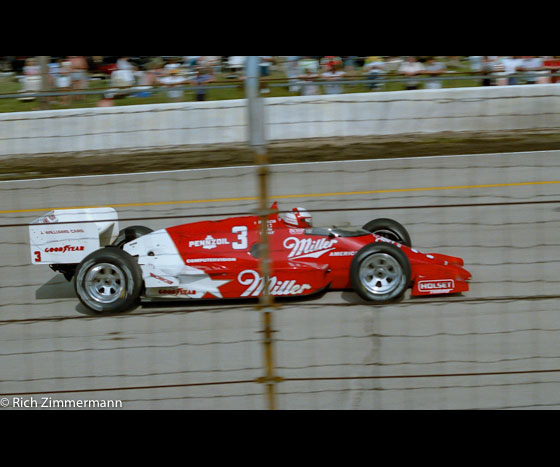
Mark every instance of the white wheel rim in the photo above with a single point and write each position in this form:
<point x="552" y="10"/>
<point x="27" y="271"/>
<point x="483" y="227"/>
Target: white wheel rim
<point x="380" y="273"/>
<point x="104" y="282"/>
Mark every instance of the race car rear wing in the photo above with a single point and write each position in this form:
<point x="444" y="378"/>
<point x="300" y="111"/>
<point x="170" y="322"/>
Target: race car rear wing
<point x="66" y="236"/>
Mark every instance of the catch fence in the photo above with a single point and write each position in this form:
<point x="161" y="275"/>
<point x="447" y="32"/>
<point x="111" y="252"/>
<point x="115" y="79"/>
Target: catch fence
<point x="494" y="347"/>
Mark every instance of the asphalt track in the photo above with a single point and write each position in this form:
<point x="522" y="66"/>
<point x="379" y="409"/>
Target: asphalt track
<point x="495" y="346"/>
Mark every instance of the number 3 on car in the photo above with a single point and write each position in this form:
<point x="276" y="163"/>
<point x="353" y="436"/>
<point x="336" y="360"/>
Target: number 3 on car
<point x="241" y="243"/>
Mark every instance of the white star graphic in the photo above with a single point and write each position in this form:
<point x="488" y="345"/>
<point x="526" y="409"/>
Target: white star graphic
<point x="202" y="285"/>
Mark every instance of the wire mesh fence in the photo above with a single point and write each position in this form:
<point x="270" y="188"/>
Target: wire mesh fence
<point x="494" y="347"/>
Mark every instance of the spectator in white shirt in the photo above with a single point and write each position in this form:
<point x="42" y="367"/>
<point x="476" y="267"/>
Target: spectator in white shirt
<point x="309" y="76"/>
<point x="334" y="73"/>
<point x="124" y="75"/>
<point x="411" y="68"/>
<point x="511" y="66"/>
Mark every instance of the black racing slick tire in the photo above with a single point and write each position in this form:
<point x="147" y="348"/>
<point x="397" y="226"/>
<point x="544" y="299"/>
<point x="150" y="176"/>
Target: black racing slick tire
<point x="130" y="233"/>
<point x="390" y="229"/>
<point x="109" y="280"/>
<point x="380" y="272"/>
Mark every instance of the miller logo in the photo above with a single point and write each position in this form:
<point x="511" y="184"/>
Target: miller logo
<point x="307" y="247"/>
<point x="255" y="284"/>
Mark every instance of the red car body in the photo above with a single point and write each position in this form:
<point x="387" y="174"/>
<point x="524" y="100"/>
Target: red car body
<point x="303" y="260"/>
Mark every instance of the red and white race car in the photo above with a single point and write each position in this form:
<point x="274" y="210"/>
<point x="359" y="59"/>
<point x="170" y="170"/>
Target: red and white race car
<point x="113" y="270"/>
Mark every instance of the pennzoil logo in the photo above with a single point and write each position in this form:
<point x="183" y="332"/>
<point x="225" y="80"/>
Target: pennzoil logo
<point x="63" y="249"/>
<point x="436" y="286"/>
<point x="209" y="242"/>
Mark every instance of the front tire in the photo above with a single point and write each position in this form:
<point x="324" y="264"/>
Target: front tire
<point x="109" y="280"/>
<point x="380" y="272"/>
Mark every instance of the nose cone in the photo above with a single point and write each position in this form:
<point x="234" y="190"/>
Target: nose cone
<point x="456" y="264"/>
<point x="462" y="273"/>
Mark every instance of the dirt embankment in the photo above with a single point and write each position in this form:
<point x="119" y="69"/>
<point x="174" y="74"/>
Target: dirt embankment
<point x="327" y="149"/>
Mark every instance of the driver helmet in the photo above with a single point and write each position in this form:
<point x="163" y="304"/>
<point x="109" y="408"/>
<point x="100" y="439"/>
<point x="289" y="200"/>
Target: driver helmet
<point x="299" y="217"/>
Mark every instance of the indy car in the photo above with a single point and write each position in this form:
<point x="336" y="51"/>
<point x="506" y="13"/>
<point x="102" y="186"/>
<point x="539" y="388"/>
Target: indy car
<point x="114" y="270"/>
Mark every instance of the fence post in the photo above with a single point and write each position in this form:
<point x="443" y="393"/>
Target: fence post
<point x="257" y="140"/>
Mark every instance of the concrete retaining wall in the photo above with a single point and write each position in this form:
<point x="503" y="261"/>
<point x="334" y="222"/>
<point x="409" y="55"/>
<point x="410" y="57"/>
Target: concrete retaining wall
<point x="160" y="126"/>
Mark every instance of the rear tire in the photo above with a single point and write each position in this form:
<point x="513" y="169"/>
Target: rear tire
<point x="390" y="229"/>
<point x="380" y="272"/>
<point x="109" y="280"/>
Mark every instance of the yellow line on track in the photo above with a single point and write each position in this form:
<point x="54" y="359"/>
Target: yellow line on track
<point x="307" y="195"/>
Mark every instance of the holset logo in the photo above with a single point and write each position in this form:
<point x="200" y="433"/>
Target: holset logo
<point x="437" y="286"/>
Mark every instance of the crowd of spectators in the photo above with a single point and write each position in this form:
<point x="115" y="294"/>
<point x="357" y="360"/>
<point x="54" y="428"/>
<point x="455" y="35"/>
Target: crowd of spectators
<point x="312" y="75"/>
<point x="305" y="75"/>
<point x="125" y="77"/>
<point x="174" y="74"/>
<point x="512" y="70"/>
